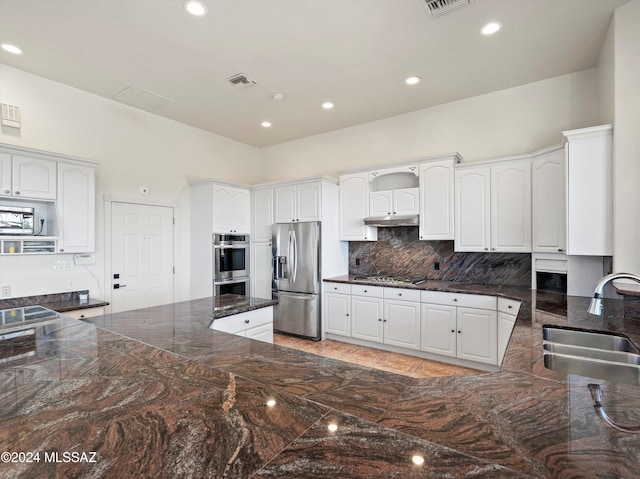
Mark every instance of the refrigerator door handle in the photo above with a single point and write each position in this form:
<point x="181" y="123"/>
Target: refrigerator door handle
<point x="295" y="256"/>
<point x="290" y="257"/>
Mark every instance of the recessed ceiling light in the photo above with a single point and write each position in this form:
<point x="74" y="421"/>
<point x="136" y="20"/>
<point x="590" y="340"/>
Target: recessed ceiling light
<point x="11" y="49"/>
<point x="414" y="80"/>
<point x="277" y="96"/>
<point x="327" y="105"/>
<point x="266" y="124"/>
<point x="195" y="8"/>
<point x="491" y="28"/>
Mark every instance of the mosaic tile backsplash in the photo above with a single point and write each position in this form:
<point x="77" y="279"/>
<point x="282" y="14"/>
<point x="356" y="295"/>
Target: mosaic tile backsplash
<point x="398" y="252"/>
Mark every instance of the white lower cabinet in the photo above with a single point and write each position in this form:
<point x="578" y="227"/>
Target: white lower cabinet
<point x="256" y="324"/>
<point x="337" y="309"/>
<point x="473" y="329"/>
<point x="85" y="313"/>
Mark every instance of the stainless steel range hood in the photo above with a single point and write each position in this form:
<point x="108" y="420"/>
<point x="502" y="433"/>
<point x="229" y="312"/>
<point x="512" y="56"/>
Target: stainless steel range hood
<point x="392" y="220"/>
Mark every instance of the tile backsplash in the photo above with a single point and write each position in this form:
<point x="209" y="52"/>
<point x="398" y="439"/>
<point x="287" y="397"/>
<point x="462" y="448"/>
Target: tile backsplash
<point x="398" y="252"/>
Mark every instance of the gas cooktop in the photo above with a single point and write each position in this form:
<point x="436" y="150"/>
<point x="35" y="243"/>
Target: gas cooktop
<point x="390" y="280"/>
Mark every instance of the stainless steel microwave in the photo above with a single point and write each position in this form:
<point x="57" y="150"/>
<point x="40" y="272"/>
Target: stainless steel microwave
<point x="16" y="220"/>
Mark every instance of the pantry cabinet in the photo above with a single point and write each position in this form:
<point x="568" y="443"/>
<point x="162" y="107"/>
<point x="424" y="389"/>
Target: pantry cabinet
<point x="262" y="215"/>
<point x="300" y="202"/>
<point x="354" y="208"/>
<point x="493" y="207"/>
<point x="261" y="276"/>
<point x="231" y="209"/>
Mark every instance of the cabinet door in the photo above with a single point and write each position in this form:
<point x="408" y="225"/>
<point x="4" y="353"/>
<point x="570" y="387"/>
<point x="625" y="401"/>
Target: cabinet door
<point x="511" y="207"/>
<point x="438" y="329"/>
<point x="308" y="202"/>
<point x="261" y="333"/>
<point x="34" y="178"/>
<point x="477" y="335"/>
<point x="337" y="310"/>
<point x="506" y="323"/>
<point x="402" y="323"/>
<point x="354" y="208"/>
<point x="262" y="215"/>
<point x="285" y="204"/>
<point x="5" y="174"/>
<point x="406" y="201"/>
<point x="473" y="200"/>
<point x="436" y="200"/>
<point x="366" y="316"/>
<point x="548" y="203"/>
<point x="76" y="208"/>
<point x="222" y="209"/>
<point x="381" y="203"/>
<point x="241" y="214"/>
<point x="261" y="275"/>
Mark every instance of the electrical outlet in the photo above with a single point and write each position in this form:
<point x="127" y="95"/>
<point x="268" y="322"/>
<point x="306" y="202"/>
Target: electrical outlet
<point x="6" y="291"/>
<point x="357" y="261"/>
<point x="436" y="265"/>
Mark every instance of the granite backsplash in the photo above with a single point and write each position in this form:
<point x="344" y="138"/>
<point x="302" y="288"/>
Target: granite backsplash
<point x="399" y="252"/>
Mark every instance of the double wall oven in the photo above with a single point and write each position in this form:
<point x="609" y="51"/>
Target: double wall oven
<point x="231" y="271"/>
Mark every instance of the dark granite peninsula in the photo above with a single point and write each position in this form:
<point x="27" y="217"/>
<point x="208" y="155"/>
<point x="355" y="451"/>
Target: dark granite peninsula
<point x="156" y="393"/>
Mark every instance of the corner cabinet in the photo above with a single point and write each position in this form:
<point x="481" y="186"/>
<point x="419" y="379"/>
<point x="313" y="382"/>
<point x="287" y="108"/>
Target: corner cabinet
<point x="76" y="208"/>
<point x="26" y="177"/>
<point x="354" y="208"/>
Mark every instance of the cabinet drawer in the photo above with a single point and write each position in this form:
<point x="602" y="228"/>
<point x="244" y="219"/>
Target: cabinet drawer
<point x="372" y="291"/>
<point x="459" y="299"/>
<point x="402" y="294"/>
<point x="85" y="313"/>
<point x="509" y="306"/>
<point x="243" y="321"/>
<point x="340" y="288"/>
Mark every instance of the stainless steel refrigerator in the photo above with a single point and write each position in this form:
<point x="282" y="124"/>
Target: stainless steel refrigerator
<point x="296" y="279"/>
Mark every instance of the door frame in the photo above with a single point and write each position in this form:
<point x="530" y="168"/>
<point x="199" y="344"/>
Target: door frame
<point x="108" y="231"/>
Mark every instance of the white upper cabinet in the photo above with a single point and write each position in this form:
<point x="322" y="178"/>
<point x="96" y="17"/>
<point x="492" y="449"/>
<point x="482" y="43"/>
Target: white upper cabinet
<point x="262" y="213"/>
<point x="76" y="208"/>
<point x="300" y="202"/>
<point x="354" y="208"/>
<point x="493" y="207"/>
<point x="436" y="200"/>
<point x="25" y="177"/>
<point x="231" y="209"/>
<point x="589" y="183"/>
<point x="473" y="203"/>
<point x="548" y="208"/>
<point x="5" y="174"/>
<point x="511" y="207"/>
<point x="404" y="201"/>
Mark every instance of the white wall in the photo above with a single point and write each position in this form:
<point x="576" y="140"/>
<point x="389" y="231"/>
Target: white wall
<point x="134" y="149"/>
<point x="606" y="77"/>
<point x="507" y="122"/>
<point x="626" y="204"/>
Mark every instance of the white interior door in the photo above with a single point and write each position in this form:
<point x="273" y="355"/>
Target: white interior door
<point x="141" y="256"/>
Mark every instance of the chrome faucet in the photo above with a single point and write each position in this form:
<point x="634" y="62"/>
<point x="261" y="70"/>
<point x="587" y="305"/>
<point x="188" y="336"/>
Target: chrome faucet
<point x="595" y="307"/>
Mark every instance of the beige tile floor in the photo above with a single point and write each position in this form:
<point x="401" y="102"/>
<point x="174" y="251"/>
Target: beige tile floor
<point x="374" y="358"/>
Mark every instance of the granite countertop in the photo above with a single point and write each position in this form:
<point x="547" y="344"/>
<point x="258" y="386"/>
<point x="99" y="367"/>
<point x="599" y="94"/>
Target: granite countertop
<point x="60" y="302"/>
<point x="157" y="394"/>
<point x="230" y="304"/>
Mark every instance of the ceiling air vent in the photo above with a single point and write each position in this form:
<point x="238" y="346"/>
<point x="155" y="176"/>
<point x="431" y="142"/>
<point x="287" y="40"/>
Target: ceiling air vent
<point x="241" y="81"/>
<point x="438" y="8"/>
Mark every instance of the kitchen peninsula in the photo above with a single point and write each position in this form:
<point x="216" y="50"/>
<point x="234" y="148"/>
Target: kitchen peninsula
<point x="156" y="393"/>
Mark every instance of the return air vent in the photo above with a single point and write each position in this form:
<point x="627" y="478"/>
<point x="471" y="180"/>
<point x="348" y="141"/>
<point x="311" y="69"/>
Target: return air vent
<point x="438" y="8"/>
<point x="241" y="80"/>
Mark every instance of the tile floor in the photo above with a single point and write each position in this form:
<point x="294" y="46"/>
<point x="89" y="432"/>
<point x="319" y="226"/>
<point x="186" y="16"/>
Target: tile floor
<point x="374" y="358"/>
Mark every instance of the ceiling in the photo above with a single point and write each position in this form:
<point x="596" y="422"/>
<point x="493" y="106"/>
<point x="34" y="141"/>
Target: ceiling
<point x="354" y="53"/>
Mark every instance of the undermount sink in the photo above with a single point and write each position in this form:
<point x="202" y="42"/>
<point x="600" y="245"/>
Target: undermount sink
<point x="595" y="355"/>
